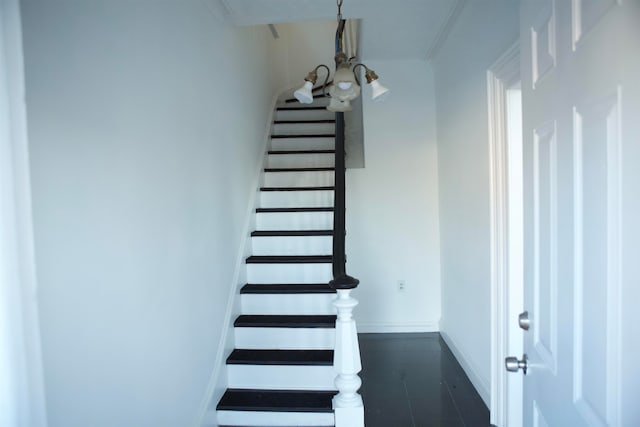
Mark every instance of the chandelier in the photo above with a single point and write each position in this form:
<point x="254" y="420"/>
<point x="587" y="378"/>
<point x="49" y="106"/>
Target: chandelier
<point x="345" y="86"/>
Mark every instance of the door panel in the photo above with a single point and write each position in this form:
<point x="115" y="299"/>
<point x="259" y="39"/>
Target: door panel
<point x="581" y="108"/>
<point x="596" y="260"/>
<point x="545" y="248"/>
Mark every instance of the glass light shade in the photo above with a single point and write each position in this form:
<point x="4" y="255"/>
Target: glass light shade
<point x="304" y="95"/>
<point x="338" y="106"/>
<point x="378" y="91"/>
<point x="344" y="95"/>
<point x="345" y="88"/>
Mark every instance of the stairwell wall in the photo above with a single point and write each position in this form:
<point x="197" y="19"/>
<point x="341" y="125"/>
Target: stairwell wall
<point x="482" y="33"/>
<point x="146" y="123"/>
<point x="392" y="205"/>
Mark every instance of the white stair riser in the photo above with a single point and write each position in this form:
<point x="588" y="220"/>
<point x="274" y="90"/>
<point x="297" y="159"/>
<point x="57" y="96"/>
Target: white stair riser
<point x="303" y="128"/>
<point x="301" y="160"/>
<point x="294" y="199"/>
<point x="285" y="338"/>
<point x="256" y="418"/>
<point x="279" y="377"/>
<point x="294" y="221"/>
<point x="299" y="179"/>
<point x="289" y="273"/>
<point x="292" y="245"/>
<point x="304" y="115"/>
<point x="283" y="144"/>
<point x="288" y="304"/>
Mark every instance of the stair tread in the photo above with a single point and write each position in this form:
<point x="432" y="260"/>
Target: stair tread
<point x="280" y="210"/>
<point x="278" y="152"/>
<point x="281" y="357"/>
<point x="323" y="169"/>
<point x="274" y="233"/>
<point x="285" y="321"/>
<point x="300" y="108"/>
<point x="327" y="188"/>
<point x="310" y="135"/>
<point x="289" y="259"/>
<point x="287" y="288"/>
<point x="276" y="400"/>
<point x="288" y="122"/>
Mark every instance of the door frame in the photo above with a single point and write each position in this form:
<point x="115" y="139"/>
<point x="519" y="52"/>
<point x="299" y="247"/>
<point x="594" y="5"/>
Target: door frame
<point x="503" y="74"/>
<point x="23" y="393"/>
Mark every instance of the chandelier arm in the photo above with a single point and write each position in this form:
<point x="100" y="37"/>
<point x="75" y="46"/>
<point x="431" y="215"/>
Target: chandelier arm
<point x="326" y="80"/>
<point x="354" y="71"/>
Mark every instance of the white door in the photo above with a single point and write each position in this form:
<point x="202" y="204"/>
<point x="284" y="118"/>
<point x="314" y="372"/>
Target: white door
<point x="581" y="109"/>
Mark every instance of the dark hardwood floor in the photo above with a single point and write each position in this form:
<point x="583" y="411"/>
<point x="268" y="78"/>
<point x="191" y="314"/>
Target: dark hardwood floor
<point x="413" y="380"/>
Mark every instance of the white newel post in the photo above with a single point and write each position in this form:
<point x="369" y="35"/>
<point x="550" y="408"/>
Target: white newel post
<point x="347" y="404"/>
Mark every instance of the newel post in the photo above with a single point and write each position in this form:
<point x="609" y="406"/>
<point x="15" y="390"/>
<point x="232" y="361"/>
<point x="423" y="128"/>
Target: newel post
<point x="347" y="404"/>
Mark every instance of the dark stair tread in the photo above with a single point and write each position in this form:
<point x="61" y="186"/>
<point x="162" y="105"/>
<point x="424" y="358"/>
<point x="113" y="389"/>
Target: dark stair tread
<point x="300" y="108"/>
<point x="327" y="188"/>
<point x="287" y="288"/>
<point x="288" y="233"/>
<point x="278" y="152"/>
<point x="285" y="321"/>
<point x="280" y="210"/>
<point x="327" y="169"/>
<point x="290" y="122"/>
<point x="276" y="400"/>
<point x="289" y="259"/>
<point x="304" y="135"/>
<point x="281" y="357"/>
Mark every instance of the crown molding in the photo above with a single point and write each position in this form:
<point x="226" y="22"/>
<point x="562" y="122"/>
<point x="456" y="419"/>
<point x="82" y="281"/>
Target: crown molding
<point x="445" y="29"/>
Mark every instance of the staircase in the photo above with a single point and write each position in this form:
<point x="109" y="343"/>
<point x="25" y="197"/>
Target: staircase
<point x="281" y="372"/>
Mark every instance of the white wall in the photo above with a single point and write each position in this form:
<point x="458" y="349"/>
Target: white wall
<point x="482" y="33"/>
<point x="392" y="205"/>
<point x="146" y="124"/>
<point x="303" y="46"/>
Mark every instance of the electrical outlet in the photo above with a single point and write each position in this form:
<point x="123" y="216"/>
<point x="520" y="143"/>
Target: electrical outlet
<point x="401" y="285"/>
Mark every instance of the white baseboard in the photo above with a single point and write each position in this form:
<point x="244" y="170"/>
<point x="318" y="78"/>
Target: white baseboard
<point x="482" y="385"/>
<point x="378" y="328"/>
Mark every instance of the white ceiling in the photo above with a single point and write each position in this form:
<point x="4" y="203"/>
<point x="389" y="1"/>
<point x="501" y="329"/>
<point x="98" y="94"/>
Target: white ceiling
<point x="391" y="29"/>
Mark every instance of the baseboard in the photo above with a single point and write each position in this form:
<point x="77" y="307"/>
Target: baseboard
<point x="380" y="328"/>
<point x="218" y="380"/>
<point x="482" y="386"/>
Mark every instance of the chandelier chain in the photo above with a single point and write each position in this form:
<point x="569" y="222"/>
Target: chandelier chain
<point x="339" y="4"/>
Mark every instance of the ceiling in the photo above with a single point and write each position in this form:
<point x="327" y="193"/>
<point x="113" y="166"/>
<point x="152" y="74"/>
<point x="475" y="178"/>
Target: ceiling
<point x="391" y="29"/>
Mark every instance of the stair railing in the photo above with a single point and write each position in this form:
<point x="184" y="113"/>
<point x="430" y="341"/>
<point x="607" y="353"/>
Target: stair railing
<point x="347" y="404"/>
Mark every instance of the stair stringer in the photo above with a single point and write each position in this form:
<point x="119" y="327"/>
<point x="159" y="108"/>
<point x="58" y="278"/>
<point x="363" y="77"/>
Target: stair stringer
<point x="304" y="329"/>
<point x="217" y="384"/>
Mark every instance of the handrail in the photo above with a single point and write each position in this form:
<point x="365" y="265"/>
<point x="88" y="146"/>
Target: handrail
<point x="341" y="280"/>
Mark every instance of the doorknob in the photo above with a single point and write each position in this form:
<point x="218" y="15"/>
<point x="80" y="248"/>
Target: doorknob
<point x="514" y="365"/>
<point x="523" y="320"/>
